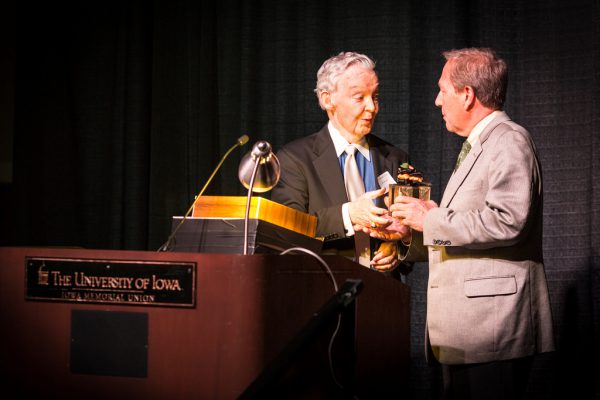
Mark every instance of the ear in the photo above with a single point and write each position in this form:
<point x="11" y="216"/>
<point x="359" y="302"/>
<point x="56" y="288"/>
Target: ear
<point x="326" y="100"/>
<point x="469" y="97"/>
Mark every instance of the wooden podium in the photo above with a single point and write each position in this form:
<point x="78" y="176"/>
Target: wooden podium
<point x="217" y="226"/>
<point x="98" y="338"/>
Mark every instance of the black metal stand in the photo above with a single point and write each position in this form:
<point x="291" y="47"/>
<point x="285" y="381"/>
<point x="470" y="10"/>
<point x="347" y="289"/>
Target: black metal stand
<point x="337" y="304"/>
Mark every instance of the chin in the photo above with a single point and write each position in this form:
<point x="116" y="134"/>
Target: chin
<point x="365" y="130"/>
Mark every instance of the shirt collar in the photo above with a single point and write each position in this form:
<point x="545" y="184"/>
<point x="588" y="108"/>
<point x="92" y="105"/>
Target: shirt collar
<point x="340" y="142"/>
<point x="481" y="125"/>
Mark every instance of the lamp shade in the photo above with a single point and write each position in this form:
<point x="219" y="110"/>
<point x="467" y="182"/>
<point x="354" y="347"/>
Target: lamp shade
<point x="267" y="170"/>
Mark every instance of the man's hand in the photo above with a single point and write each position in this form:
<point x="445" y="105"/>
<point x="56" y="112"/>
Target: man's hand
<point x="391" y="230"/>
<point x="386" y="257"/>
<point x="411" y="211"/>
<point x="363" y="212"/>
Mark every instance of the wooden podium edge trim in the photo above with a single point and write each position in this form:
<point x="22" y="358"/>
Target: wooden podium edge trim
<point x="260" y="208"/>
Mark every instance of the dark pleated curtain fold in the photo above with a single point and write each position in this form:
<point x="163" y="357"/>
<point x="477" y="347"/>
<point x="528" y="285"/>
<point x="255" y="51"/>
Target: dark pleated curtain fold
<point x="124" y="108"/>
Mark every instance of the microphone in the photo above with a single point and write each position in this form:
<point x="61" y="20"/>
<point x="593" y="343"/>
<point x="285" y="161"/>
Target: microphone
<point x="242" y="140"/>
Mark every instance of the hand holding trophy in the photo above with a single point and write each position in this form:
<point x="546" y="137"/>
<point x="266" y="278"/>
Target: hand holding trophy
<point x="408" y="200"/>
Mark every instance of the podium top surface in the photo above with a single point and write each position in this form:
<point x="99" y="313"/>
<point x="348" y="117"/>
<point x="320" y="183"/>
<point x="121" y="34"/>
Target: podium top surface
<point x="260" y="208"/>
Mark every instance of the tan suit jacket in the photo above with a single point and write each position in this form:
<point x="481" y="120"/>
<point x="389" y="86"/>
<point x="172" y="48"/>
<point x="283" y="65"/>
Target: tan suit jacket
<point x="487" y="297"/>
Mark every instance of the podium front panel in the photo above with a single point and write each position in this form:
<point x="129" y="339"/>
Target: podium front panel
<point x="247" y="309"/>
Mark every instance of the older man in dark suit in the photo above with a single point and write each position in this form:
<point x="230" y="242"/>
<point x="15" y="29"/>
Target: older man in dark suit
<point x="313" y="177"/>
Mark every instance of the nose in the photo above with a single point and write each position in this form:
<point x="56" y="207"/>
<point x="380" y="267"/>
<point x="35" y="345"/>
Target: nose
<point x="438" y="100"/>
<point x="370" y="104"/>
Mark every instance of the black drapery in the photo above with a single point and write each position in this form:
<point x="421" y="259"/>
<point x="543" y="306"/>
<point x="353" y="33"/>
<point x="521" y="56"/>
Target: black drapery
<point x="124" y="108"/>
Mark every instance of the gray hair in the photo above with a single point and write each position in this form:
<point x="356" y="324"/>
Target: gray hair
<point x="481" y="69"/>
<point x="331" y="70"/>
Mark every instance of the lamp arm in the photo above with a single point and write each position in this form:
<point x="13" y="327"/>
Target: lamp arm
<point x="246" y="217"/>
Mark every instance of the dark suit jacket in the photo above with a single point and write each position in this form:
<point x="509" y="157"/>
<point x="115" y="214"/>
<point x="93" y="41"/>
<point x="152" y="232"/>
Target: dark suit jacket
<point x="311" y="179"/>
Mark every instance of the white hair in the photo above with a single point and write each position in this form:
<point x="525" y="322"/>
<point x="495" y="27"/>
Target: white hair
<point x="331" y="70"/>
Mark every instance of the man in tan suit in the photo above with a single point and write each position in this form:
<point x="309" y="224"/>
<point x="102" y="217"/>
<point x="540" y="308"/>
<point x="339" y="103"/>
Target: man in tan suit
<point x="488" y="310"/>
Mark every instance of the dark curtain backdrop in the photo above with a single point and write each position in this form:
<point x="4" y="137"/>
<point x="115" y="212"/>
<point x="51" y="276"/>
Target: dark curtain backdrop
<point x="124" y="108"/>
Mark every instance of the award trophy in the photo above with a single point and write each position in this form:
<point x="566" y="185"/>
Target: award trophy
<point x="410" y="183"/>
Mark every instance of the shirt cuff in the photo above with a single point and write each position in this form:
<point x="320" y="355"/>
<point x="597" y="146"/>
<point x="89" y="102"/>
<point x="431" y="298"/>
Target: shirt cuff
<point x="347" y="221"/>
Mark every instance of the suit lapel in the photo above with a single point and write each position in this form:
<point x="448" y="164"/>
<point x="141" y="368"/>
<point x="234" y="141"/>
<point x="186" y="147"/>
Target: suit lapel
<point x="327" y="165"/>
<point x="459" y="176"/>
<point x="380" y="155"/>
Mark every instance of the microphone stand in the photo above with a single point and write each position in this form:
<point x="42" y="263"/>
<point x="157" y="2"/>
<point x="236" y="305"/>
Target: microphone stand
<point x="240" y="142"/>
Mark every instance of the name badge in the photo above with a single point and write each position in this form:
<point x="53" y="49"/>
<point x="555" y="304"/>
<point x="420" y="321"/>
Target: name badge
<point x="385" y="180"/>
